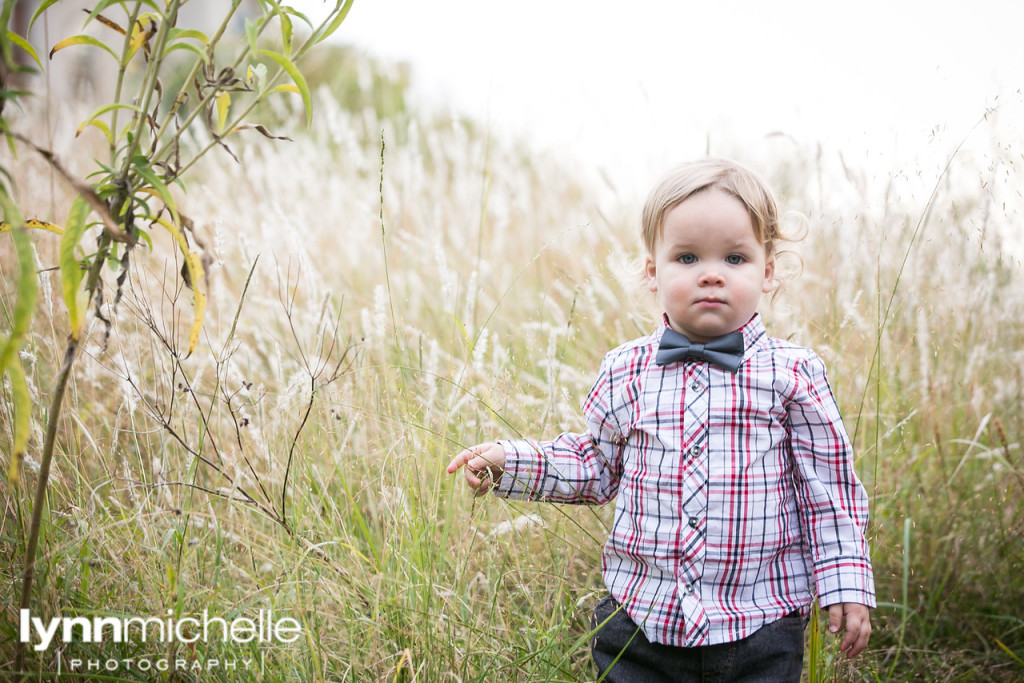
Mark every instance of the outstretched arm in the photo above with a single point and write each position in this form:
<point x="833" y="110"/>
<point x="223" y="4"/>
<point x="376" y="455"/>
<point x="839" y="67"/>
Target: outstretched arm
<point x="576" y="468"/>
<point x="484" y="465"/>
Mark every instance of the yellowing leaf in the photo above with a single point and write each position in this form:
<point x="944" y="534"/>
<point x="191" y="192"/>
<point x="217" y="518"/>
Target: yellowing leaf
<point x="223" y="106"/>
<point x="81" y="40"/>
<point x="195" y="268"/>
<point x="103" y="127"/>
<point x="1013" y="655"/>
<point x="143" y="29"/>
<point x="34" y="224"/>
<point x="197" y="277"/>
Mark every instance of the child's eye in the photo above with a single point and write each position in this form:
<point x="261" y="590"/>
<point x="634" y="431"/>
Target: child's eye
<point x="734" y="259"/>
<point x="688" y="258"/>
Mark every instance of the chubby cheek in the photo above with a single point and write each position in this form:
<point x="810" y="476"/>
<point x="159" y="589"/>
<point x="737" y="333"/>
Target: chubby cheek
<point x="678" y="289"/>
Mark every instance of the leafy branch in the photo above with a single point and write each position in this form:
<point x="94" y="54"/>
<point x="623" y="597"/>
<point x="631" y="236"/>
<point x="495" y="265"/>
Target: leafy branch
<point x="130" y="194"/>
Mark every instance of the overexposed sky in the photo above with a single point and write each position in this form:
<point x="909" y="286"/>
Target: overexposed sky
<point x="630" y="88"/>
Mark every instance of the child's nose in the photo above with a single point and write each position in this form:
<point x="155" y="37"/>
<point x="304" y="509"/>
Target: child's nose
<point x="710" y="276"/>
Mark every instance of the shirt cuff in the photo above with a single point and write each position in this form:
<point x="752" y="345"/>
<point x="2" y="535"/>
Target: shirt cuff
<point x="524" y="470"/>
<point x="845" y="579"/>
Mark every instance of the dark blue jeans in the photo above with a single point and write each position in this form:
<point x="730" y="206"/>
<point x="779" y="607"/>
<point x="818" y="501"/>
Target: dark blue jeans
<point x="772" y="654"/>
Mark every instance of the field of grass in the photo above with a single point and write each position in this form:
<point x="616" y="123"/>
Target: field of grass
<point x="385" y="290"/>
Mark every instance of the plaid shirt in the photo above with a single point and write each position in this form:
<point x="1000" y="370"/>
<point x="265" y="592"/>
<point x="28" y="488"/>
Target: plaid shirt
<point x="734" y="491"/>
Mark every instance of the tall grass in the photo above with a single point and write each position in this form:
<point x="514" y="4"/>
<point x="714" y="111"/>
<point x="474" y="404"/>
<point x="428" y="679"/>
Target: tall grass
<point x="505" y="281"/>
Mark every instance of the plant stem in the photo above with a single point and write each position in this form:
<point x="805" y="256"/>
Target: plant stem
<point x="70" y="353"/>
<point x="28" y="574"/>
<point x="149" y="84"/>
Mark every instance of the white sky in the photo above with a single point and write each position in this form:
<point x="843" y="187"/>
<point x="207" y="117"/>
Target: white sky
<point x="630" y="88"/>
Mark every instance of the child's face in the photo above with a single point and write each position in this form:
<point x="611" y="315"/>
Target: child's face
<point x="708" y="267"/>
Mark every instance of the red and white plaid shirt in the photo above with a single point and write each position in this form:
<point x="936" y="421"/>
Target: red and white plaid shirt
<point x="733" y="490"/>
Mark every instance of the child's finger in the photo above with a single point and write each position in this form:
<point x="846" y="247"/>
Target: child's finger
<point x="858" y="631"/>
<point x="481" y="474"/>
<point x="835" y="618"/>
<point x="460" y="460"/>
<point x="473" y="480"/>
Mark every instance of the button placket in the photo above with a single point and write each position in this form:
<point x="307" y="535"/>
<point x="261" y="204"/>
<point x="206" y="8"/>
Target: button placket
<point x="693" y="451"/>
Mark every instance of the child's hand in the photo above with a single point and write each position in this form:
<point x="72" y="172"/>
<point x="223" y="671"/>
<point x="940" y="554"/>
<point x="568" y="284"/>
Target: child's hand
<point x="858" y="626"/>
<point x="484" y="464"/>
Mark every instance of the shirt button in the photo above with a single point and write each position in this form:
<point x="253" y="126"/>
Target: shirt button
<point x="695" y="386"/>
<point x="696" y="449"/>
<point x="689" y="590"/>
<point x="694" y="522"/>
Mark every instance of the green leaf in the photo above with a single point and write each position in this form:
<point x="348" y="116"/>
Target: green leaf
<point x="24" y="45"/>
<point x="103" y="110"/>
<point x="187" y="34"/>
<point x="141" y="166"/>
<point x="22" y="419"/>
<point x="43" y="6"/>
<point x="202" y="54"/>
<point x="286" y="33"/>
<point x="177" y="40"/>
<point x="70" y="269"/>
<point x="327" y="30"/>
<point x="296" y="77"/>
<point x="27" y="285"/>
<point x="10" y="363"/>
<point x="251" y="33"/>
<point x="82" y="40"/>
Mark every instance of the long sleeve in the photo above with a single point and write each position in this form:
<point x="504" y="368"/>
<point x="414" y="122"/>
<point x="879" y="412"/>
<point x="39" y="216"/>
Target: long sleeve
<point x="572" y="468"/>
<point x="833" y="504"/>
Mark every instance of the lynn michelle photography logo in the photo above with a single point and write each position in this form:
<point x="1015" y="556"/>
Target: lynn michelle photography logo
<point x="266" y="629"/>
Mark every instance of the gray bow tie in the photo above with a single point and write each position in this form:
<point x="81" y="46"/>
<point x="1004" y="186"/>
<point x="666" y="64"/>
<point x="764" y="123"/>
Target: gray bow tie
<point x="726" y="351"/>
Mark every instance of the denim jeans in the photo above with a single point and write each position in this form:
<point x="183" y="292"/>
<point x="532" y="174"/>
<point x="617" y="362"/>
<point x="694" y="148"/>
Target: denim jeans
<point x="772" y="654"/>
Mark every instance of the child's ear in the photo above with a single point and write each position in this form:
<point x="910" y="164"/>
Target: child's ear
<point x="650" y="270"/>
<point x="769" y="276"/>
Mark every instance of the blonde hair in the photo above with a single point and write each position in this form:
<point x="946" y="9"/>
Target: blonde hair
<point x="724" y="174"/>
